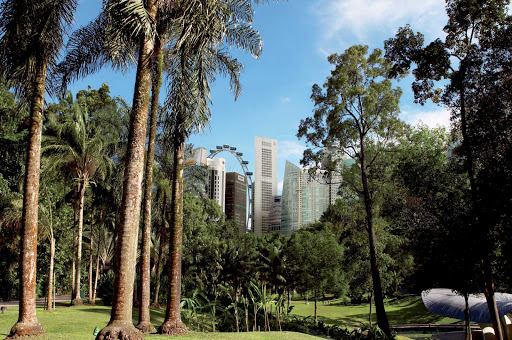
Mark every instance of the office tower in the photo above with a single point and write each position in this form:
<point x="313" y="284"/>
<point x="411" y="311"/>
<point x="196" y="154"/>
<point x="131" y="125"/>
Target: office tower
<point x="236" y="200"/>
<point x="274" y="216"/>
<point x="216" y="185"/>
<point x="305" y="198"/>
<point x="265" y="182"/>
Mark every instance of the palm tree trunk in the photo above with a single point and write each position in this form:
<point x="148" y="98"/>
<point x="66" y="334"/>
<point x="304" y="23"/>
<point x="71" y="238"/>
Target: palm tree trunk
<point x="172" y="323"/>
<point x="382" y="318"/>
<point x="120" y="325"/>
<point x="49" y="302"/>
<point x="97" y="274"/>
<point x="91" y="301"/>
<point x="163" y="238"/>
<point x="145" y="275"/>
<point x="77" y="299"/>
<point x="27" y="320"/>
<point x="73" y="259"/>
<point x="97" y="261"/>
<point x="237" y="293"/>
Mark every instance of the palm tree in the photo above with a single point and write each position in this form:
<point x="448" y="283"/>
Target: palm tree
<point x="200" y="36"/>
<point x="77" y="145"/>
<point x="31" y="35"/>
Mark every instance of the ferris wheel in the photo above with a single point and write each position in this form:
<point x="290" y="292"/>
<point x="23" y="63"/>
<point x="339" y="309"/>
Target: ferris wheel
<point x="243" y="163"/>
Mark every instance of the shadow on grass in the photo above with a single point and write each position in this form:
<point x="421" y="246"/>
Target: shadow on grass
<point x="157" y="315"/>
<point x="410" y="312"/>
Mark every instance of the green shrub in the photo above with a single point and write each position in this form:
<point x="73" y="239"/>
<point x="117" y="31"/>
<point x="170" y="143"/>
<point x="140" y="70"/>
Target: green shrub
<point x="106" y="288"/>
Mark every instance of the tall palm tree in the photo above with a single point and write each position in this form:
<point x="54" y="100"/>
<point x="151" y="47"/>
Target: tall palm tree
<point x="79" y="147"/>
<point x="201" y="37"/>
<point x="31" y="35"/>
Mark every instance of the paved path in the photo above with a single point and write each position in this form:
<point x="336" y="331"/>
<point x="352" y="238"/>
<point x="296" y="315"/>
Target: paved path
<point x="40" y="301"/>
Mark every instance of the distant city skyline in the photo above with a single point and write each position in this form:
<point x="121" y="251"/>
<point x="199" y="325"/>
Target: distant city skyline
<point x="297" y="38"/>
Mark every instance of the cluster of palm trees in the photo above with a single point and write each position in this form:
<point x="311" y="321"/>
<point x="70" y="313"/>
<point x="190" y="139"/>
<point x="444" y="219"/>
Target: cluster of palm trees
<point x="188" y="40"/>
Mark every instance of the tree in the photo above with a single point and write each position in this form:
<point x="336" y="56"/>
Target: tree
<point x="202" y="37"/>
<point x="73" y="142"/>
<point x="472" y="59"/>
<point x="430" y="207"/>
<point x="31" y="35"/>
<point x="316" y="259"/>
<point x="358" y="114"/>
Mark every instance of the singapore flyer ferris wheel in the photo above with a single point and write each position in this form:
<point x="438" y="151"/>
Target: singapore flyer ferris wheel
<point x="243" y="163"/>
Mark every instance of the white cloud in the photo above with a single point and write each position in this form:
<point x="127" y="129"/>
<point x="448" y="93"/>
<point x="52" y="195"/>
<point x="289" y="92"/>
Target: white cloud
<point x="365" y="18"/>
<point x="430" y="118"/>
<point x="287" y="149"/>
<point x="284" y="99"/>
<point x="280" y="187"/>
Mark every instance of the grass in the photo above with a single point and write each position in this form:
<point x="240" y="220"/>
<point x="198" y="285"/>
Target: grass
<point x="409" y="310"/>
<point x="79" y="323"/>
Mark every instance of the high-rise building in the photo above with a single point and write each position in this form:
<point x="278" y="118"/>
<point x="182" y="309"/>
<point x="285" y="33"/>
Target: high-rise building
<point x="265" y="182"/>
<point x="236" y="200"/>
<point x="216" y="185"/>
<point x="274" y="217"/>
<point x="305" y="198"/>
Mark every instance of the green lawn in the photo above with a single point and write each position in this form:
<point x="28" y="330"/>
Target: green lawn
<point x="409" y="310"/>
<point x="79" y="323"/>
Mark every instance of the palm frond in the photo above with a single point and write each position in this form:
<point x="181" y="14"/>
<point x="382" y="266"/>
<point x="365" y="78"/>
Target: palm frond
<point x="129" y="16"/>
<point x="31" y="32"/>
<point x="89" y="49"/>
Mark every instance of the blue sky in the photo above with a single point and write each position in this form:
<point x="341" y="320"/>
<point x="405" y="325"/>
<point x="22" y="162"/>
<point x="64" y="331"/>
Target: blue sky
<point x="297" y="38"/>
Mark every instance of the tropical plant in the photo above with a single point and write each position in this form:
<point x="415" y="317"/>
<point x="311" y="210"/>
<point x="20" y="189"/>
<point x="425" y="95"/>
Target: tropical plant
<point x="31" y="35"/>
<point x="73" y="143"/>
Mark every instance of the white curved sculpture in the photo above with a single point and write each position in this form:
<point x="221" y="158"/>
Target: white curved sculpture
<point x="445" y="302"/>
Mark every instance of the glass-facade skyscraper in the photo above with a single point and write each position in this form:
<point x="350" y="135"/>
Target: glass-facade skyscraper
<point x="305" y="198"/>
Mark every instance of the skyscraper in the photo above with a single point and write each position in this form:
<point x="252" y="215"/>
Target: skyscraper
<point x="304" y="198"/>
<point x="265" y="182"/>
<point x="216" y="185"/>
<point x="236" y="200"/>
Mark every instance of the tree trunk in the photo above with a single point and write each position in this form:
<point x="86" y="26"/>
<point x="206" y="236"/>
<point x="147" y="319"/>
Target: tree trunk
<point x="77" y="299"/>
<point x="316" y="316"/>
<point x="27" y="320"/>
<point x="247" y="318"/>
<point x="236" y="310"/>
<point x="382" y="318"/>
<point x="467" y="329"/>
<point x="145" y="275"/>
<point x="97" y="261"/>
<point x="163" y="237"/>
<point x="73" y="257"/>
<point x="172" y="323"/>
<point x="120" y="325"/>
<point x="49" y="303"/>
<point x="91" y="245"/>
